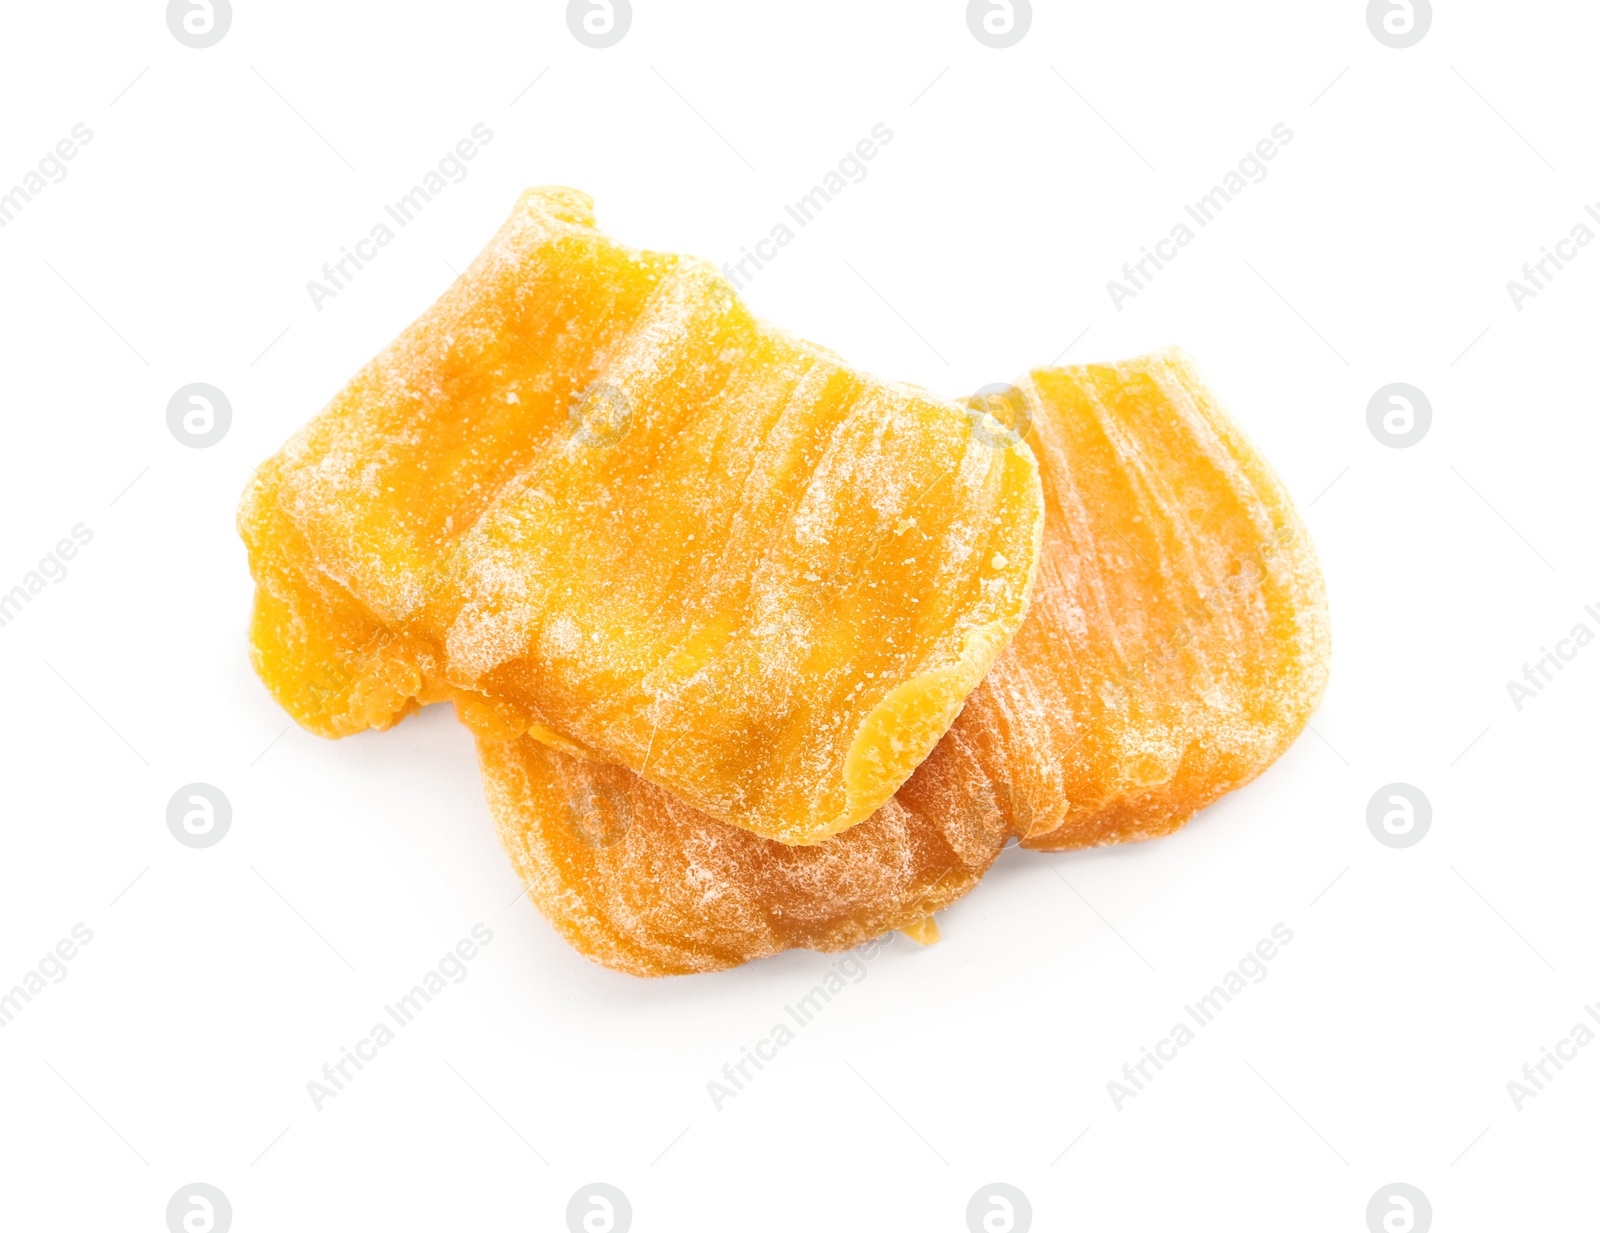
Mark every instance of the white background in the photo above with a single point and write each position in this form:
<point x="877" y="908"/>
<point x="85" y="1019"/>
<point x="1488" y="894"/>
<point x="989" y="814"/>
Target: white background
<point x="219" y="981"/>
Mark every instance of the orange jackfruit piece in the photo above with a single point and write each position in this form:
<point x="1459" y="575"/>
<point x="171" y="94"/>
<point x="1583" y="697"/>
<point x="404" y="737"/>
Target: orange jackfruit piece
<point x="641" y="882"/>
<point x="590" y="498"/>
<point x="1176" y="645"/>
<point x="1178" y="640"/>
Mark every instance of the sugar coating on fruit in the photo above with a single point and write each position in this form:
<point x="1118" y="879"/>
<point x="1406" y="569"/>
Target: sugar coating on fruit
<point x="638" y="881"/>
<point x="1178" y="638"/>
<point x="692" y="544"/>
<point x="1177" y="642"/>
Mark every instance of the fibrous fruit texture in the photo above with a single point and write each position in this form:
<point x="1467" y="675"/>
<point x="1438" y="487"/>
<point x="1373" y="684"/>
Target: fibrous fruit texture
<point x="1176" y="644"/>
<point x="639" y="881"/>
<point x="1178" y="640"/>
<point x="591" y="499"/>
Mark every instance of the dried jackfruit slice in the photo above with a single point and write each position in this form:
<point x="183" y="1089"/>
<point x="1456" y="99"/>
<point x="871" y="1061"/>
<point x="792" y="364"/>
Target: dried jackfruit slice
<point x="641" y="882"/>
<point x="1176" y="645"/>
<point x="592" y="498"/>
<point x="1178" y="640"/>
<point x="347" y="526"/>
